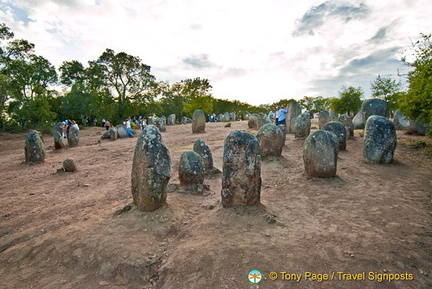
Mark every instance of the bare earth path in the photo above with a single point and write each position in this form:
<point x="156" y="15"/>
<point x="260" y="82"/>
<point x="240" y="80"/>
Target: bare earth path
<point x="60" y="230"/>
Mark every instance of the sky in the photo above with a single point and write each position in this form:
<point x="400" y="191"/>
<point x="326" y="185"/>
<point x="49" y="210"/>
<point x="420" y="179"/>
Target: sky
<point x="254" y="51"/>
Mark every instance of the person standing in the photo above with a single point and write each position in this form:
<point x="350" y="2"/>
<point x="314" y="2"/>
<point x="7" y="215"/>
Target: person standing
<point x="128" y="128"/>
<point x="271" y="115"/>
<point x="107" y="125"/>
<point x="281" y="116"/>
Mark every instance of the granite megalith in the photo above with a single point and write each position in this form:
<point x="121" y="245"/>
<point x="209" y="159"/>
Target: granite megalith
<point x="171" y="120"/>
<point x="339" y="130"/>
<point x="73" y="139"/>
<point x="401" y="122"/>
<point x="201" y="148"/>
<point x="320" y="154"/>
<point x="191" y="169"/>
<point x="302" y="126"/>
<point x="347" y="122"/>
<point x="324" y="117"/>
<point x="121" y="131"/>
<point x="379" y="143"/>
<point x="294" y="110"/>
<point x="271" y="140"/>
<point x="58" y="136"/>
<point x="198" y="121"/>
<point x="151" y="170"/>
<point x="241" y="174"/>
<point x="34" y="150"/>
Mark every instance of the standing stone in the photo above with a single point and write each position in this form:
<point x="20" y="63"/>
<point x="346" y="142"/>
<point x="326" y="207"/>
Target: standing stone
<point x="151" y="170"/>
<point x="201" y="148"/>
<point x="282" y="129"/>
<point x="161" y="123"/>
<point x="184" y="120"/>
<point x="373" y="106"/>
<point x="171" y="119"/>
<point x="320" y="154"/>
<point x="69" y="165"/>
<point x="294" y="110"/>
<point x="226" y="117"/>
<point x="34" y="147"/>
<point x="379" y="142"/>
<point x="324" y="117"/>
<point x="191" y="169"/>
<point x="151" y="121"/>
<point x="339" y="130"/>
<point x="73" y="139"/>
<point x="271" y="140"/>
<point x="347" y="122"/>
<point x="241" y="181"/>
<point x="58" y="136"/>
<point x="198" y="121"/>
<point x="358" y="121"/>
<point x="302" y="126"/>
<point x="416" y="128"/>
<point x="121" y="131"/>
<point x="113" y="133"/>
<point x="253" y="121"/>
<point x="400" y="121"/>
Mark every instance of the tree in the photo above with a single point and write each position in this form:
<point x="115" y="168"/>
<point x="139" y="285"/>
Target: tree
<point x="314" y="104"/>
<point x="349" y="100"/>
<point x="127" y="78"/>
<point x="197" y="94"/>
<point x="387" y="89"/>
<point x="417" y="102"/>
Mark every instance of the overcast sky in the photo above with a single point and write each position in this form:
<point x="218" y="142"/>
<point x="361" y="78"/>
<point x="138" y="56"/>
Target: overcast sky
<point x="253" y="51"/>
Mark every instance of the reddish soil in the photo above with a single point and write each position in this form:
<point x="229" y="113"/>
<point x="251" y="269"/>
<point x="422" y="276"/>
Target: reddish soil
<point x="61" y="230"/>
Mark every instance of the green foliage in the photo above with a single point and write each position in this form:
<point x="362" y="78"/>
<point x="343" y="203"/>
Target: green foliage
<point x="417" y="102"/>
<point x="349" y="100"/>
<point x="314" y="104"/>
<point x="197" y="96"/>
<point x="387" y="89"/>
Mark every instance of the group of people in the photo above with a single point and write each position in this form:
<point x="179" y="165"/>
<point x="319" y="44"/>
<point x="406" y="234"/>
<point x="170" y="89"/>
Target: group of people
<point x="67" y="125"/>
<point x="142" y="123"/>
<point x="278" y="117"/>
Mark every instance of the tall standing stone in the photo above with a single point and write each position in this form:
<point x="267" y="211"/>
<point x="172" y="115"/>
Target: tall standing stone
<point x="401" y="122"/>
<point x="324" y="117"/>
<point x="73" y="139"/>
<point x="271" y="140"/>
<point x="151" y="170"/>
<point x="374" y="106"/>
<point x="113" y="133"/>
<point x="201" y="148"/>
<point x="320" y="154"/>
<point x="191" y="169"/>
<point x="302" y="126"/>
<point x="34" y="147"/>
<point x="161" y="123"/>
<point x="294" y="110"/>
<point x="171" y="119"/>
<point x="347" y="122"/>
<point x="198" y="121"/>
<point x="241" y="181"/>
<point x="58" y="136"/>
<point x="339" y="130"/>
<point x="379" y="142"/>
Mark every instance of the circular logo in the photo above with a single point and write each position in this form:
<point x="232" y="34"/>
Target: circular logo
<point x="273" y="275"/>
<point x="255" y="276"/>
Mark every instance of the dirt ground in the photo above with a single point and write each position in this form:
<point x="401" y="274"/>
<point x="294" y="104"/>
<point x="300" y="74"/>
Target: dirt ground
<point x="61" y="230"/>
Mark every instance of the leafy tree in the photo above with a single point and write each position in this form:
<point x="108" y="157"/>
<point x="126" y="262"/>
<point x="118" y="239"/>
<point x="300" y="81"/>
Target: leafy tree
<point x="417" y="102"/>
<point x="386" y="89"/>
<point x="314" y="104"/>
<point x="197" y="94"/>
<point x="349" y="100"/>
<point x="126" y="77"/>
<point x="172" y="98"/>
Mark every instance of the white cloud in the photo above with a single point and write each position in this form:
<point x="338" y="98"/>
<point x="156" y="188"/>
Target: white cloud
<point x="253" y="51"/>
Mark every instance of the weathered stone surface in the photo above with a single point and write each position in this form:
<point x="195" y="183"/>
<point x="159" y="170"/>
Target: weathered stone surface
<point x="294" y="110"/>
<point x="241" y="181"/>
<point x="271" y="140"/>
<point x="228" y="124"/>
<point x="106" y="135"/>
<point x="416" y="128"/>
<point x="302" y="126"/>
<point x="226" y="117"/>
<point x="112" y="133"/>
<point x="161" y="123"/>
<point x="257" y="120"/>
<point x="401" y="122"/>
<point x="73" y="140"/>
<point x="324" y="117"/>
<point x="150" y="121"/>
<point x="339" y="130"/>
<point x="358" y="121"/>
<point x="121" y="131"/>
<point x="320" y="154"/>
<point x="201" y="148"/>
<point x="151" y="170"/>
<point x="58" y="136"/>
<point x="374" y="106"/>
<point x="253" y="121"/>
<point x="191" y="169"/>
<point x="282" y="129"/>
<point x="171" y="119"/>
<point x="379" y="142"/>
<point x="69" y="165"/>
<point x="34" y="150"/>
<point x="198" y="121"/>
<point x="347" y="122"/>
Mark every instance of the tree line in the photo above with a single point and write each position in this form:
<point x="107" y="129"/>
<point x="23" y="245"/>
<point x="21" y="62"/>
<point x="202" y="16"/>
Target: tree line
<point x="117" y="85"/>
